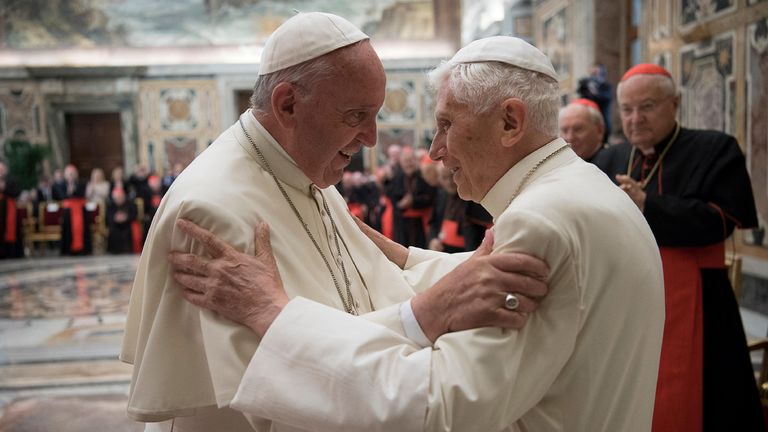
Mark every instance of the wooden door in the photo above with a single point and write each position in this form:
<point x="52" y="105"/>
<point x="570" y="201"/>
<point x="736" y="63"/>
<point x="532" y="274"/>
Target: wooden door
<point x="95" y="141"/>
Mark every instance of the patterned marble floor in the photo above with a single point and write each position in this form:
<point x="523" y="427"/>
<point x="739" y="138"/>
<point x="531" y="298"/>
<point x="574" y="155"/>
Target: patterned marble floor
<point x="61" y="326"/>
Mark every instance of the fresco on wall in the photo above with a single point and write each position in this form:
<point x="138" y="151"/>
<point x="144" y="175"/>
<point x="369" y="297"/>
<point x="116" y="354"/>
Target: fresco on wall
<point x="757" y="123"/>
<point x="31" y="24"/>
<point x="692" y="11"/>
<point x="706" y="83"/>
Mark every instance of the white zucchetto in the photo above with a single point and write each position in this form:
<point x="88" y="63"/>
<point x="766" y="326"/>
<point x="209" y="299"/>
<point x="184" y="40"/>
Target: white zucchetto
<point x="306" y="36"/>
<point x="506" y="49"/>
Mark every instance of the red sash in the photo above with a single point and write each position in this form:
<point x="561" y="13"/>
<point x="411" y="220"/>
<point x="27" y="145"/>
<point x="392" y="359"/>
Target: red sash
<point x="10" y="220"/>
<point x="156" y="200"/>
<point x="450" y="234"/>
<point x="424" y="214"/>
<point x="387" y="222"/>
<point x="679" y="388"/>
<point x="136" y="236"/>
<point x="357" y="210"/>
<point x="77" y="222"/>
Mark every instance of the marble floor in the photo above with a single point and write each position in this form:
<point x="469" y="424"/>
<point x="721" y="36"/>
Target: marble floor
<point x="61" y="326"/>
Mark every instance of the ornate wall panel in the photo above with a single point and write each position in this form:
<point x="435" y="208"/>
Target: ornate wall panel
<point x="698" y="11"/>
<point x="554" y="42"/>
<point x="178" y="120"/>
<point x="20" y="112"/>
<point x="706" y="83"/>
<point x="757" y="120"/>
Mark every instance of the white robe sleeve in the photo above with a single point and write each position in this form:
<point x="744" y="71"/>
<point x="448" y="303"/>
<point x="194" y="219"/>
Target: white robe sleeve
<point x="320" y="369"/>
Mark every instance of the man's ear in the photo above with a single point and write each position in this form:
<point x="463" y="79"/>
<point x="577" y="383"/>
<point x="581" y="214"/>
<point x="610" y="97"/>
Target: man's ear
<point x="284" y="99"/>
<point x="515" y="121"/>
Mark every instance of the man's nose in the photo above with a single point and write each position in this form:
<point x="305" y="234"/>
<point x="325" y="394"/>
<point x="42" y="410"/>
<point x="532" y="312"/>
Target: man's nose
<point x="368" y="135"/>
<point x="437" y="149"/>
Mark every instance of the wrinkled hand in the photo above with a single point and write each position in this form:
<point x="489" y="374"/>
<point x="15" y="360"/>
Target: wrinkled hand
<point x="243" y="288"/>
<point x="405" y="202"/>
<point x="633" y="189"/>
<point x="394" y="251"/>
<point x="472" y="295"/>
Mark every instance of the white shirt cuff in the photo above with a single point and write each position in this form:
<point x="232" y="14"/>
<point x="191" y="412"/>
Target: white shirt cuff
<point x="411" y="327"/>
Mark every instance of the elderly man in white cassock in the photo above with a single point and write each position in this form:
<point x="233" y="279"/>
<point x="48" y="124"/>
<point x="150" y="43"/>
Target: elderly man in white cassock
<point x="587" y="358"/>
<point x="314" y="106"/>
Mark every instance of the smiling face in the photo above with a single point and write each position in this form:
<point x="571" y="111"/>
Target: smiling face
<point x="469" y="144"/>
<point x="337" y="117"/>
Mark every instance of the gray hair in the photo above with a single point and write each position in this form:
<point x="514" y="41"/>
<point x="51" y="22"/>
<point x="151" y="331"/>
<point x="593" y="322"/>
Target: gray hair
<point x="483" y="85"/>
<point x="305" y="75"/>
<point x="665" y="83"/>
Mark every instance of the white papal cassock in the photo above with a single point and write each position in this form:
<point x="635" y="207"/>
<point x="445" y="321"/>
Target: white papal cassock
<point x="586" y="361"/>
<point x="188" y="363"/>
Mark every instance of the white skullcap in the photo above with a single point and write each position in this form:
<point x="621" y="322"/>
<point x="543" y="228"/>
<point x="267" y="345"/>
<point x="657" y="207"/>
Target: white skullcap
<point x="306" y="36"/>
<point x="506" y="49"/>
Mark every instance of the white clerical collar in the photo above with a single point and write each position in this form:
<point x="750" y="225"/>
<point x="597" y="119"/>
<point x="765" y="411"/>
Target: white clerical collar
<point x="278" y="159"/>
<point x="500" y="195"/>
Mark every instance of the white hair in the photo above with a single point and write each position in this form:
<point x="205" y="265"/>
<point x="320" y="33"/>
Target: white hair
<point x="594" y="115"/>
<point x="484" y="85"/>
<point x="663" y="82"/>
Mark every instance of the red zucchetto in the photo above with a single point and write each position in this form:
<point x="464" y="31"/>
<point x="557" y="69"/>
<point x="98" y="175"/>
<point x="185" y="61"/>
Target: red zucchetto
<point x="645" y="69"/>
<point x="586" y="102"/>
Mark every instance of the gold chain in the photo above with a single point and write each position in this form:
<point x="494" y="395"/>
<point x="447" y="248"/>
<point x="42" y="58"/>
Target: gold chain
<point x="644" y="183"/>
<point x="347" y="302"/>
<point x="533" y="170"/>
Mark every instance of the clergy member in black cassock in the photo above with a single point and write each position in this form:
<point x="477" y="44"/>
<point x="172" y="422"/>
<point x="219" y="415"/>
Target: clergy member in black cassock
<point x="412" y="199"/>
<point x="697" y="191"/>
<point x="11" y="244"/>
<point x="75" y="232"/>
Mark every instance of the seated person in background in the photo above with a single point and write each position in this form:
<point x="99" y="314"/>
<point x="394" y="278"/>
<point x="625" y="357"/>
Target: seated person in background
<point x="121" y="217"/>
<point x="97" y="189"/>
<point x="11" y="243"/>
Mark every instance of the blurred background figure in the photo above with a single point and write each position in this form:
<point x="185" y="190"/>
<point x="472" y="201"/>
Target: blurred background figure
<point x="596" y="88"/>
<point x="11" y="245"/>
<point x="412" y="200"/>
<point x="97" y="189"/>
<point x="75" y="235"/>
<point x="168" y="178"/>
<point x="121" y="215"/>
<point x="447" y="221"/>
<point x="581" y="126"/>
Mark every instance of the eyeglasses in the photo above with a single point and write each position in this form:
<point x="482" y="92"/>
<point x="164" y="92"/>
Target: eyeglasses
<point x="646" y="107"/>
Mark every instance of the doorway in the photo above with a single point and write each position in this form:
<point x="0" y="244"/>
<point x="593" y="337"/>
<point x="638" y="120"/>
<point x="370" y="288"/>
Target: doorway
<point x="95" y="141"/>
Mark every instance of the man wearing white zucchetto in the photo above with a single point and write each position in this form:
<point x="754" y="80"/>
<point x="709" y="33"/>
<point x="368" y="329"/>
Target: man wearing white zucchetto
<point x="587" y="358"/>
<point x="314" y="105"/>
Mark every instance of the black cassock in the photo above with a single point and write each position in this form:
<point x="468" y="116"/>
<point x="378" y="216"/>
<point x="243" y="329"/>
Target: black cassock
<point x="699" y="193"/>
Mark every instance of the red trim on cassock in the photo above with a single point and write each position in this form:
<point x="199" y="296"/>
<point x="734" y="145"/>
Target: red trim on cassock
<point x="10" y="220"/>
<point x="679" y="387"/>
<point x="76" y="222"/>
<point x="156" y="200"/>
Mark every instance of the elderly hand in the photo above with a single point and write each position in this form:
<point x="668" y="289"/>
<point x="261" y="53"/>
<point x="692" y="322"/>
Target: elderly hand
<point x="633" y="189"/>
<point x="243" y="288"/>
<point x="394" y="251"/>
<point x="473" y="294"/>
